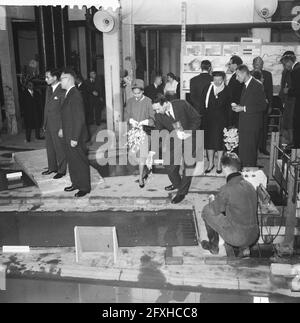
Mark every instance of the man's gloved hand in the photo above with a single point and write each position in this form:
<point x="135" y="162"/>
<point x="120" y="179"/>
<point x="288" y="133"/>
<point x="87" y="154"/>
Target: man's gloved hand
<point x="144" y="123"/>
<point x="74" y="143"/>
<point x="133" y="122"/>
<point x="182" y="135"/>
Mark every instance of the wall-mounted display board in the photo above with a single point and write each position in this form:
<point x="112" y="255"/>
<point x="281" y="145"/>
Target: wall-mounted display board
<point x="219" y="54"/>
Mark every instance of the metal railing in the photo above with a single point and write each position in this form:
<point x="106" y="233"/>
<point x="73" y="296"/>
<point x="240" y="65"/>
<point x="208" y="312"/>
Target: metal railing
<point x="282" y="167"/>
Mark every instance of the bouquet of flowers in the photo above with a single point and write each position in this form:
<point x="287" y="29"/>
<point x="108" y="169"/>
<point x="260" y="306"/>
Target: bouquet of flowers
<point x="231" y="139"/>
<point x="136" y="137"/>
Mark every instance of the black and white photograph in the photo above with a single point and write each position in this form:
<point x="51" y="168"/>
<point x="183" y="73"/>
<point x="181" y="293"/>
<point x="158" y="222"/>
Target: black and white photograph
<point x="149" y="155"/>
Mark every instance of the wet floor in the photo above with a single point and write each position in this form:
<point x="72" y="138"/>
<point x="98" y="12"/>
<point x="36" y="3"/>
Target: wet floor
<point x="44" y="229"/>
<point x="48" y="291"/>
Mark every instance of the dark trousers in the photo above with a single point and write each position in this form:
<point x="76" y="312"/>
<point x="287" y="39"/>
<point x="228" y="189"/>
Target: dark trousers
<point x="263" y="138"/>
<point x="55" y="152"/>
<point x="233" y="119"/>
<point x="94" y="115"/>
<point x="248" y="146"/>
<point x="213" y="236"/>
<point x="297" y="125"/>
<point x="297" y="137"/>
<point x="79" y="167"/>
<point x="28" y="133"/>
<point x="182" y="183"/>
<point x="233" y="235"/>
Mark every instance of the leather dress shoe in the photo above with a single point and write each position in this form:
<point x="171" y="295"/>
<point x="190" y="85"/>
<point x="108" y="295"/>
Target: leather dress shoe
<point x="209" y="170"/>
<point x="48" y="172"/>
<point x="81" y="194"/>
<point x="208" y="246"/>
<point x="178" y="198"/>
<point x="170" y="188"/>
<point x="70" y="189"/>
<point x="142" y="185"/>
<point x="58" y="176"/>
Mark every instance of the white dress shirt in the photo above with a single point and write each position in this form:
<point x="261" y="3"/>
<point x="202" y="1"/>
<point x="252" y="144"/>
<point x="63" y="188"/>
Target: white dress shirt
<point x="54" y="87"/>
<point x="247" y="84"/>
<point x="294" y="65"/>
<point x="69" y="90"/>
<point x="170" y="111"/>
<point x="171" y="87"/>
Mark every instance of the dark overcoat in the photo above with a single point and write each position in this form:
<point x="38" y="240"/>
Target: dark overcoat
<point x="74" y="128"/>
<point x="251" y="122"/>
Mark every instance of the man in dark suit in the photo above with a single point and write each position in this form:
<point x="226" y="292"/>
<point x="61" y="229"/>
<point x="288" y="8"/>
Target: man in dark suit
<point x="178" y="117"/>
<point x="198" y="84"/>
<point x="267" y="80"/>
<point x="56" y="154"/>
<point x="31" y="106"/>
<point x="155" y="88"/>
<point x="289" y="60"/>
<point x="81" y="86"/>
<point x="288" y="104"/>
<point x="94" y="90"/>
<point x="252" y="106"/>
<point x="75" y="136"/>
<point x="235" y="88"/>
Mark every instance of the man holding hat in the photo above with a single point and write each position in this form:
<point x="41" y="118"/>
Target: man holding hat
<point x="289" y="61"/>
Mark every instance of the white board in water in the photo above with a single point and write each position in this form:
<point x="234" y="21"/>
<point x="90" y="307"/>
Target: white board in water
<point x="93" y="240"/>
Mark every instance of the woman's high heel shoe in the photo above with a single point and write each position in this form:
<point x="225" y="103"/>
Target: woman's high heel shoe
<point x="142" y="185"/>
<point x="209" y="170"/>
<point x="219" y="172"/>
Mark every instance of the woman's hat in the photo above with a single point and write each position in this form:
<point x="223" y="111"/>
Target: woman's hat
<point x="288" y="55"/>
<point x="138" y="84"/>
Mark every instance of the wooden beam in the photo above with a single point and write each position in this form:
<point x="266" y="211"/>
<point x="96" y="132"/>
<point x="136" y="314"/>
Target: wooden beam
<point x="183" y="40"/>
<point x="147" y="58"/>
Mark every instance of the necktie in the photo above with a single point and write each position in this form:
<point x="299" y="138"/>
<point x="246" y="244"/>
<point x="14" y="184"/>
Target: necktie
<point x="244" y="90"/>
